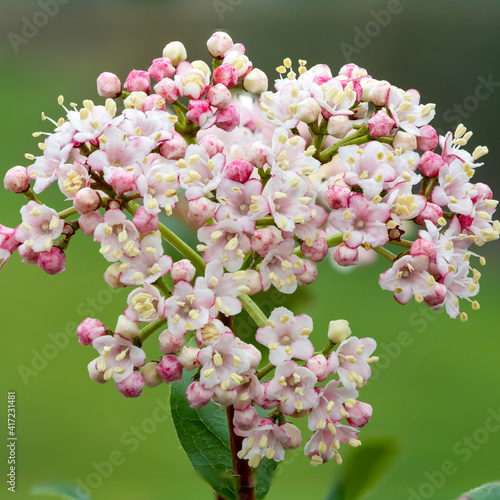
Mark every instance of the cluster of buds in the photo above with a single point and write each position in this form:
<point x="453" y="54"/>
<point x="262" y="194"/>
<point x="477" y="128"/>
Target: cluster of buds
<point x="326" y="165"/>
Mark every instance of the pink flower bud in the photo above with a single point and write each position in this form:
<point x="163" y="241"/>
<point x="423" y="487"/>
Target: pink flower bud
<point x="360" y="112"/>
<point x="256" y="154"/>
<point x="319" y="366"/>
<point x="228" y="118"/>
<point x="428" y="138"/>
<point x="89" y="222"/>
<point x="337" y="197"/>
<point x="308" y="110"/>
<point x="122" y="180"/>
<point x="182" y="270"/>
<point x="188" y="357"/>
<point x="174" y="148"/>
<point x="108" y="85"/>
<point x="86" y="200"/>
<point x="423" y="247"/>
<point x="211" y="144"/>
<point x="224" y="398"/>
<point x="168" y="90"/>
<point x="253" y="353"/>
<point x="263" y="401"/>
<point x="176" y="52"/>
<point x="218" y="44"/>
<point x="309" y="273"/>
<point x="339" y="126"/>
<point x="200" y="113"/>
<point x="16" y="180"/>
<point x="379" y="92"/>
<point x="201" y="210"/>
<point x="430" y="163"/>
<point x="380" y="124"/>
<point x="169" y="343"/>
<point x="431" y="212"/>
<point x="262" y="241"/>
<point x="28" y="255"/>
<point x="131" y="387"/>
<point x="255" y="81"/>
<point x="317" y="251"/>
<point x="437" y="296"/>
<point x="145" y="222"/>
<point x="219" y="96"/>
<point x="246" y="419"/>
<point x="89" y="330"/>
<point x="138" y="81"/>
<point x="253" y="281"/>
<point x="483" y="191"/>
<point x="404" y="141"/>
<point x="345" y="256"/>
<point x="226" y="74"/>
<point x="169" y="368"/>
<point x="359" y="414"/>
<point x="112" y="276"/>
<point x="295" y="435"/>
<point x="126" y="328"/>
<point x="135" y="100"/>
<point x="238" y="170"/>
<point x="153" y="102"/>
<point x="197" y="395"/>
<point x="150" y="375"/>
<point x="52" y="262"/>
<point x="161" y="68"/>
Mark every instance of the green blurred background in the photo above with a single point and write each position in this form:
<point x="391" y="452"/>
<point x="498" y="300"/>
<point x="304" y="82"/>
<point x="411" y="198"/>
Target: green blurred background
<point x="433" y="394"/>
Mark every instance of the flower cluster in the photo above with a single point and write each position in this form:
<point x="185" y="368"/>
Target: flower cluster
<point x="327" y="164"/>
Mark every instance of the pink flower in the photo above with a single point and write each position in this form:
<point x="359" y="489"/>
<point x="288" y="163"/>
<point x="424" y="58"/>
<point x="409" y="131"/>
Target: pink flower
<point x="225" y="241"/>
<point x="145" y="304"/>
<point x="266" y="440"/>
<point x="236" y="57"/>
<point x="408" y="277"/>
<point x="8" y="244"/>
<point x="189" y="307"/>
<point x="280" y="267"/>
<point x="241" y="203"/>
<point x="118" y="357"/>
<point x="223" y="363"/>
<point x="191" y="82"/>
<point x="353" y="356"/>
<point x="362" y="222"/>
<point x="40" y="227"/>
<point x="333" y="97"/>
<point x="293" y="386"/>
<point x="117" y="236"/>
<point x="286" y="336"/>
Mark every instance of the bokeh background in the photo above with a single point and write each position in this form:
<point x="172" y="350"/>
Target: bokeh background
<point x="436" y="385"/>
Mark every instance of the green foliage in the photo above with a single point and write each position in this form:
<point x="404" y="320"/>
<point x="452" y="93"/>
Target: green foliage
<point x="490" y="491"/>
<point x="62" y="490"/>
<point x="363" y="469"/>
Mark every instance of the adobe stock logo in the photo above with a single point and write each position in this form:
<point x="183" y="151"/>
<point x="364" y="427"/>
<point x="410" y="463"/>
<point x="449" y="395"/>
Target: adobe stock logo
<point x="32" y="26"/>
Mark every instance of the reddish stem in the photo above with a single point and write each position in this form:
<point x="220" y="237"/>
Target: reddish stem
<point x="242" y="471"/>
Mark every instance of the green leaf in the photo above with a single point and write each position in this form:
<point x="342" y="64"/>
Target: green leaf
<point x="363" y="469"/>
<point x="204" y="435"/>
<point x="63" y="490"/>
<point x="490" y="491"/>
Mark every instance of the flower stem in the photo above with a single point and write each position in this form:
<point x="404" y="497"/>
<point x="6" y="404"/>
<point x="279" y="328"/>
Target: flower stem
<point x="151" y="328"/>
<point x="402" y="243"/>
<point x="385" y="253"/>
<point x="356" y="138"/>
<point x="264" y="371"/>
<point x="245" y="489"/>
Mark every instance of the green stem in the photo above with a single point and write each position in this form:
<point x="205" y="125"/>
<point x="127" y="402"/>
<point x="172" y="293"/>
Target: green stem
<point x="402" y="243"/>
<point x="385" y="253"/>
<point x="163" y="287"/>
<point x="265" y="222"/>
<point x="253" y="310"/>
<point x="151" y="328"/>
<point x="264" y="371"/>
<point x="30" y="195"/>
<point x="327" y="154"/>
<point x="430" y="187"/>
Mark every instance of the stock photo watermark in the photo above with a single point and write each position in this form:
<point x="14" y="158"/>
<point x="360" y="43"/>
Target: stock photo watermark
<point x="463" y="450"/>
<point x="224" y="6"/>
<point x="31" y="25"/>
